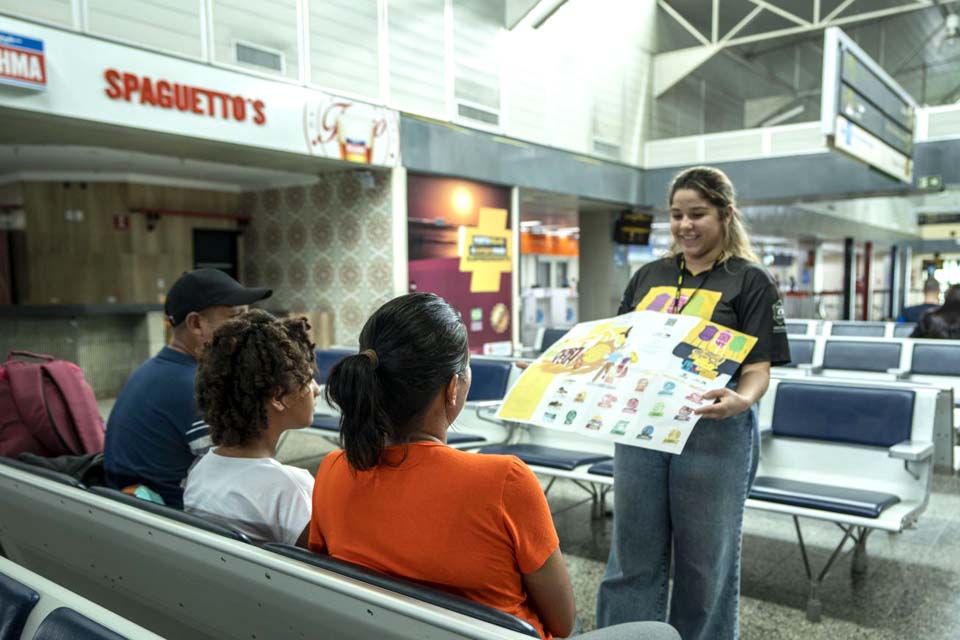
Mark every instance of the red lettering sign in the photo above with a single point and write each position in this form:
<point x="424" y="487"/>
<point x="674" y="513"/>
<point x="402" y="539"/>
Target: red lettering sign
<point x="165" y="94"/>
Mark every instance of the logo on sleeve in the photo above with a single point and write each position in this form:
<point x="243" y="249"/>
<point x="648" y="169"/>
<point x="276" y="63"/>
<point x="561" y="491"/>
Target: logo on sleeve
<point x="778" y="316"/>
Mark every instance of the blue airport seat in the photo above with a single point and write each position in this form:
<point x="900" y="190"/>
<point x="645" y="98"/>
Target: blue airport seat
<point x="801" y="351"/>
<point x="43" y="472"/>
<point x="861" y="356"/>
<point x="408" y="588"/>
<point x="213" y="524"/>
<point x="490" y="378"/>
<point x="855" y="502"/>
<point x="326" y="358"/>
<point x="858" y="329"/>
<point x="797" y="328"/>
<point x="549" y="337"/>
<point x="866" y="416"/>
<point x="332" y="423"/>
<point x="604" y="468"/>
<point x="16" y="602"/>
<point x="903" y="329"/>
<point x="326" y="422"/>
<point x="464" y="438"/>
<point x="936" y="359"/>
<point x="67" y="624"/>
<point x="540" y="456"/>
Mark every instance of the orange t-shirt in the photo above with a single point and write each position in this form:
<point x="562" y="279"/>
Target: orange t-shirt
<point x="467" y="523"/>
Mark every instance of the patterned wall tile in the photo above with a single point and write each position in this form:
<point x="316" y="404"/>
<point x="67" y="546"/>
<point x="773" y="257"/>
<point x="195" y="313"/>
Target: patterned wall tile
<point x="296" y="236"/>
<point x="326" y="247"/>
<point x="321" y="195"/>
<point x="295" y="197"/>
<point x="322" y="274"/>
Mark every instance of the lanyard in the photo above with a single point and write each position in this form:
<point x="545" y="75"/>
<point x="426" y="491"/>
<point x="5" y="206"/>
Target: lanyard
<point x="677" y="308"/>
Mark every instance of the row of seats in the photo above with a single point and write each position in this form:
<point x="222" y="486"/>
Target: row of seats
<point x="492" y="378"/>
<point x="185" y="576"/>
<point x="853" y="453"/>
<point x="32" y="607"/>
<point x="850" y="328"/>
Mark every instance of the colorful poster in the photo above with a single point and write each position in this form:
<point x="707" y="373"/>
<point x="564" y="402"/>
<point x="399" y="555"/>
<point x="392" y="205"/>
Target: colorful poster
<point x="634" y="379"/>
<point x="460" y="246"/>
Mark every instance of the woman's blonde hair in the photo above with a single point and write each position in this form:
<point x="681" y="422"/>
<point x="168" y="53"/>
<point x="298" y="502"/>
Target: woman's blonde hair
<point x="717" y="189"/>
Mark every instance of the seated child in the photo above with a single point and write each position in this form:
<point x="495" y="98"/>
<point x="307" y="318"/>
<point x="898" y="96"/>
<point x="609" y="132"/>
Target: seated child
<point x="254" y="381"/>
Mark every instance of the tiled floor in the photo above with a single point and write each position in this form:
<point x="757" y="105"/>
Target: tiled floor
<point x="911" y="590"/>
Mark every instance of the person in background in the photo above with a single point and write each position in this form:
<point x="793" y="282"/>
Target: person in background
<point x="255" y="381"/>
<point x="687" y="509"/>
<point x="398" y="500"/>
<point x="942" y="323"/>
<point x="931" y="300"/>
<point x="154" y="432"/>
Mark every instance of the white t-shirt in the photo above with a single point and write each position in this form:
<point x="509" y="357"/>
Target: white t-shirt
<point x="268" y="501"/>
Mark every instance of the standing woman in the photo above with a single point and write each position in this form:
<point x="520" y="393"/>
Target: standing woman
<point x="689" y="507"/>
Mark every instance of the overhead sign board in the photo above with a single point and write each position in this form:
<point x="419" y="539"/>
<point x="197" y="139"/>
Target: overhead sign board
<point x="864" y="112"/>
<point x="128" y="87"/>
<point x="22" y="62"/>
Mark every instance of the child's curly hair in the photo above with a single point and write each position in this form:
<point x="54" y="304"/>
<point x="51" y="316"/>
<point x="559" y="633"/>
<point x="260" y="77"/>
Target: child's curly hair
<point x="251" y="359"/>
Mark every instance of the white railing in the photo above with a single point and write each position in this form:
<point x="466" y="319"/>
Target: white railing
<point x="745" y="144"/>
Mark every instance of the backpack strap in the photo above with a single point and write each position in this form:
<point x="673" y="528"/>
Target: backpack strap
<point x="28" y="354"/>
<point x="80" y="402"/>
<point x="26" y="386"/>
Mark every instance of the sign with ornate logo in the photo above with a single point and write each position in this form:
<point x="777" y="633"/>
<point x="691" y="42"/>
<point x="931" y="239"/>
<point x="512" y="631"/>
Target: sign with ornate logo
<point x="352" y="131"/>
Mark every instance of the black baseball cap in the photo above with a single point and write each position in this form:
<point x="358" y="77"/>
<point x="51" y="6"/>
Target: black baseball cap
<point x="197" y="290"/>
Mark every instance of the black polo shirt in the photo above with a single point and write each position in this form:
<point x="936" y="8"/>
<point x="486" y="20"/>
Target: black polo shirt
<point x="737" y="293"/>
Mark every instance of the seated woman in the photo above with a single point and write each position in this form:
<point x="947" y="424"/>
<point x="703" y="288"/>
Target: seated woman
<point x="255" y="381"/>
<point x="942" y="323"/>
<point x="396" y="499"/>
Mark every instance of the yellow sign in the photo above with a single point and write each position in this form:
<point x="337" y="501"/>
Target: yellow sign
<point x="485" y="250"/>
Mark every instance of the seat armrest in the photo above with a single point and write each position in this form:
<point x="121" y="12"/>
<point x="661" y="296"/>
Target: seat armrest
<point x="811" y="369"/>
<point x="899" y="374"/>
<point x="911" y="450"/>
<point x="483" y="404"/>
<point x="766" y="433"/>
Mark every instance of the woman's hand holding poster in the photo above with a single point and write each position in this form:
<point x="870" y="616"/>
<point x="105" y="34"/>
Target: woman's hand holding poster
<point x="634" y="379"/>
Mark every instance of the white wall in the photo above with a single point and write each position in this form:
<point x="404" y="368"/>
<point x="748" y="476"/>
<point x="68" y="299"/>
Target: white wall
<point x="581" y="82"/>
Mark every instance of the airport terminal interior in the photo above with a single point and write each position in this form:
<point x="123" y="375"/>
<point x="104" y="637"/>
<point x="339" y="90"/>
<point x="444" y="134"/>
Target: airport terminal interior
<point x="521" y="159"/>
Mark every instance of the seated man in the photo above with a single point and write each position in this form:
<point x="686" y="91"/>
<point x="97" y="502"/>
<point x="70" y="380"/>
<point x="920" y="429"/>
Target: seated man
<point x="931" y="301"/>
<point x="255" y="381"/>
<point x="155" y="432"/>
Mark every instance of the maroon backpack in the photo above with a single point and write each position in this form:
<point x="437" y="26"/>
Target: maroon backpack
<point x="47" y="408"/>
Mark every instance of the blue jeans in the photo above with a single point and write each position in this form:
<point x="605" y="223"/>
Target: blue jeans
<point x="691" y="505"/>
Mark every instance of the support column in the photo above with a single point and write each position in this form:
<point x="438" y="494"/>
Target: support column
<point x="893" y="283"/>
<point x="907" y="271"/>
<point x="399" y="226"/>
<point x="867" y="312"/>
<point x="515" y="300"/>
<point x="849" y="279"/>
<point x="601" y="281"/>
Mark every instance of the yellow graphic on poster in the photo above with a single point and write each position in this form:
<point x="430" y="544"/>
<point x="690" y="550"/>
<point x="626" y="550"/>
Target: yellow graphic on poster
<point x="711" y="349"/>
<point x="636" y="379"/>
<point x="662" y="299"/>
<point x="486" y="250"/>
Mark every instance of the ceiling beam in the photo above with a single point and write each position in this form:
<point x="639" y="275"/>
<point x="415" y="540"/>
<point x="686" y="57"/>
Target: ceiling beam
<point x="692" y="30"/>
<point x="840" y="9"/>
<point x="783" y="13"/>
